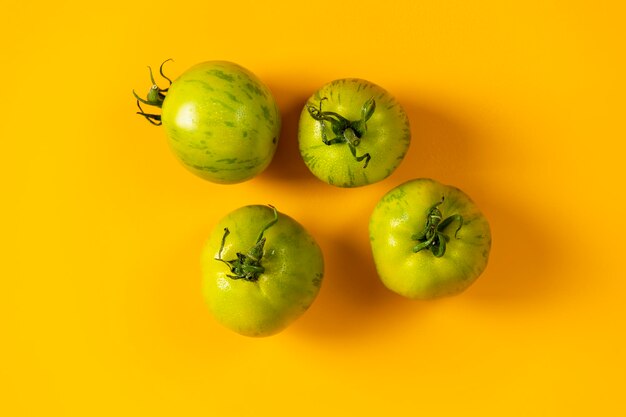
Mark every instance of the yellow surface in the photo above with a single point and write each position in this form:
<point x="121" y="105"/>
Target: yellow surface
<point x="520" y="104"/>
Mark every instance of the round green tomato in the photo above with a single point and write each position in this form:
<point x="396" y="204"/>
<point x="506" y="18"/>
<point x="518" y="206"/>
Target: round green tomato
<point x="428" y="239"/>
<point x="261" y="270"/>
<point x="353" y="133"/>
<point x="221" y="121"/>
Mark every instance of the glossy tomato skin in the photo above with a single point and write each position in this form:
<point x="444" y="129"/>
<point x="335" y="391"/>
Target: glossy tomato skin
<point x="386" y="139"/>
<point x="402" y="213"/>
<point x="221" y="122"/>
<point x="294" y="269"/>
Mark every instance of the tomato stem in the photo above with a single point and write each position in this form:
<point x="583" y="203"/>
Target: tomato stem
<point x="247" y="266"/>
<point x="433" y="236"/>
<point x="345" y="131"/>
<point x="155" y="97"/>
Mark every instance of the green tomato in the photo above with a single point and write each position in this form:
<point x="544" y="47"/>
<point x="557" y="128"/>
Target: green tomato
<point x="221" y="121"/>
<point x="261" y="270"/>
<point x="353" y="133"/>
<point x="428" y="239"/>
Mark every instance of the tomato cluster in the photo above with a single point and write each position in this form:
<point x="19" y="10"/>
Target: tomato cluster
<point x="261" y="268"/>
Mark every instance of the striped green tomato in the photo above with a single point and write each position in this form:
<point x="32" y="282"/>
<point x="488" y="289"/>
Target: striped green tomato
<point x="428" y="239"/>
<point x="352" y="133"/>
<point x="221" y="121"/>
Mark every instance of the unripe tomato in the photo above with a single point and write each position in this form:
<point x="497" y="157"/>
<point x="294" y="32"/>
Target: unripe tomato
<point x="352" y="132"/>
<point x="261" y="270"/>
<point x="221" y="121"/>
<point x="428" y="239"/>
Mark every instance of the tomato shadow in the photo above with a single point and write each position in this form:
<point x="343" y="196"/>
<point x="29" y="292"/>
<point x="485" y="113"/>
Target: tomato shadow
<point x="442" y="147"/>
<point x="528" y="251"/>
<point x="353" y="303"/>
<point x="287" y="164"/>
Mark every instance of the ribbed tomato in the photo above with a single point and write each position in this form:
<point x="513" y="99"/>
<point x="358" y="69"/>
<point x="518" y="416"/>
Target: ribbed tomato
<point x="428" y="239"/>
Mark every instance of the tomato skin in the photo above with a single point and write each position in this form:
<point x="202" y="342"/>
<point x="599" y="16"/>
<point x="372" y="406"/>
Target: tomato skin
<point x="221" y="122"/>
<point x="386" y="139"/>
<point x="402" y="213"/>
<point x="294" y="270"/>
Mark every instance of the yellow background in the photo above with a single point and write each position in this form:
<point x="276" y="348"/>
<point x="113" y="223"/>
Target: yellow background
<point x="520" y="104"/>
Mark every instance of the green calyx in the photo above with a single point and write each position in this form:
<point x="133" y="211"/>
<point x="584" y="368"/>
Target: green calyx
<point x="247" y="266"/>
<point x="155" y="97"/>
<point x="433" y="236"/>
<point x="345" y="131"/>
